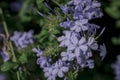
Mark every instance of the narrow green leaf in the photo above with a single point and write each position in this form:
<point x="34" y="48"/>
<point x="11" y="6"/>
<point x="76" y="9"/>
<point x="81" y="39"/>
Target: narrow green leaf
<point x="23" y="58"/>
<point x="8" y="66"/>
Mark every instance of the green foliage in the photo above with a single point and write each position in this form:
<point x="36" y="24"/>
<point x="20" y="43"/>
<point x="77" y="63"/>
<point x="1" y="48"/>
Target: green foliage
<point x="39" y="2"/>
<point x="52" y="50"/>
<point x="41" y="6"/>
<point x="47" y="38"/>
<point x="118" y="24"/>
<point x="114" y="11"/>
<point x="24" y="13"/>
<point x="72" y="75"/>
<point x="23" y="58"/>
<point x="9" y="66"/>
<point x="116" y="40"/>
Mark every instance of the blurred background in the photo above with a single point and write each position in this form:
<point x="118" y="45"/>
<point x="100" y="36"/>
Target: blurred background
<point x="20" y="16"/>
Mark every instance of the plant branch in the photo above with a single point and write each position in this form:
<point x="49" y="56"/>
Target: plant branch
<point x="10" y="44"/>
<point x="7" y="35"/>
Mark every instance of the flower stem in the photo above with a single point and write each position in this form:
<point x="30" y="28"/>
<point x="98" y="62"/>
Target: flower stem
<point x="56" y="2"/>
<point x="7" y="35"/>
<point x="10" y="44"/>
<point x="18" y="75"/>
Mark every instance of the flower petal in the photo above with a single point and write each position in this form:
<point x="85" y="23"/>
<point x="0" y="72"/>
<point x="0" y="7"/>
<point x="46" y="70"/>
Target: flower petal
<point x="47" y="74"/>
<point x="62" y="44"/>
<point x="77" y="52"/>
<point x="67" y="34"/>
<point x="71" y="56"/>
<point x="60" y="74"/>
<point x="61" y="38"/>
<point x="90" y="64"/>
<point x="94" y="46"/>
<point x="84" y="28"/>
<point x="67" y="42"/>
<point x="71" y="47"/>
<point x="63" y="54"/>
<point x="91" y="41"/>
<point x="74" y="39"/>
<point x="78" y="29"/>
<point x="55" y="71"/>
<point x="64" y="58"/>
<point x="84" y="48"/>
<point x="82" y="40"/>
<point x="65" y="69"/>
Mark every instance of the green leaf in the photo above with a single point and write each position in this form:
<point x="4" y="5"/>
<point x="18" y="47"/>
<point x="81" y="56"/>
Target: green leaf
<point x="118" y="24"/>
<point x="8" y="66"/>
<point x="41" y="6"/>
<point x="23" y="58"/>
<point x="72" y="75"/>
<point x="116" y="41"/>
<point x="24" y="13"/>
<point x="56" y="31"/>
<point x="39" y="2"/>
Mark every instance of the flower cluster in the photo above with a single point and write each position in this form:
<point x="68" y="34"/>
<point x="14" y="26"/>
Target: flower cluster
<point x="80" y="49"/>
<point x="116" y="67"/>
<point x="51" y="71"/>
<point x="79" y="36"/>
<point x="22" y="39"/>
<point x="83" y="9"/>
<point x="78" y="39"/>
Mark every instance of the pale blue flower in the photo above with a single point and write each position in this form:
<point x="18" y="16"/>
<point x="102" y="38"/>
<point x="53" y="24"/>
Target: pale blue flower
<point x="92" y="44"/>
<point x="81" y="60"/>
<point x="4" y="55"/>
<point x="88" y="54"/>
<point x="84" y="62"/>
<point x="103" y="51"/>
<point x="78" y="15"/>
<point x="79" y="8"/>
<point x="67" y="24"/>
<point x="92" y="29"/>
<point x="43" y="62"/>
<point x="38" y="51"/>
<point x="60" y="69"/>
<point x="77" y="2"/>
<point x="67" y="56"/>
<point x="85" y="9"/>
<point x="116" y="68"/>
<point x="65" y="40"/>
<point x="90" y="64"/>
<point x="78" y="46"/>
<point x="80" y="25"/>
<point x="65" y="9"/>
<point x="48" y="72"/>
<point x="22" y="39"/>
<point x="16" y="35"/>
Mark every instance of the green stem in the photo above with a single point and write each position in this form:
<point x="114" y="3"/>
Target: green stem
<point x="7" y="34"/>
<point x="10" y="44"/>
<point x="56" y="2"/>
<point x="18" y="75"/>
